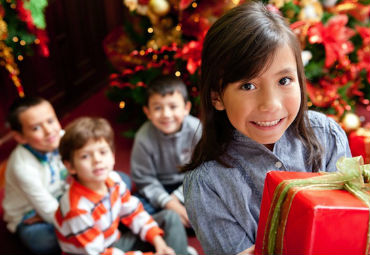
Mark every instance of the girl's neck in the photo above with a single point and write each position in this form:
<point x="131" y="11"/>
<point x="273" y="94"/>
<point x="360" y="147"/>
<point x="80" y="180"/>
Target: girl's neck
<point x="269" y="146"/>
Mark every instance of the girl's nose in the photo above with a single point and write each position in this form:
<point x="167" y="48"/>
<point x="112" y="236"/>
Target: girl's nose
<point x="269" y="100"/>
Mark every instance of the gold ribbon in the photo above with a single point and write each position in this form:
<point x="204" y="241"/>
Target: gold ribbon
<point x="352" y="175"/>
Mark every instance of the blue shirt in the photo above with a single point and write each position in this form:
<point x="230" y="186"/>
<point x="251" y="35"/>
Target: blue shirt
<point x="223" y="204"/>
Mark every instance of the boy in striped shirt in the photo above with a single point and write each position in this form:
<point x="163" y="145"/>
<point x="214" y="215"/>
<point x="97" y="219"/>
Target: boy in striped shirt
<point x="98" y="200"/>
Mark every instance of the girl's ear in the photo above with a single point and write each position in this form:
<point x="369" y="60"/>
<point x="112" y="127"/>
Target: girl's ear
<point x="217" y="101"/>
<point x="18" y="137"/>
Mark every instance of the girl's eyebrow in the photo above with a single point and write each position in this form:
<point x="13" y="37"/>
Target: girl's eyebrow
<point x="287" y="70"/>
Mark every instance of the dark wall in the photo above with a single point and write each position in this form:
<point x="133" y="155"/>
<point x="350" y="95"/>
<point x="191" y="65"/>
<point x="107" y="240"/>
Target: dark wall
<point x="77" y="66"/>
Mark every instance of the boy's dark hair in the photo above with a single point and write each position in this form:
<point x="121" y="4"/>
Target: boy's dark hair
<point x="240" y="46"/>
<point x="80" y="131"/>
<point x="164" y="85"/>
<point x="17" y="107"/>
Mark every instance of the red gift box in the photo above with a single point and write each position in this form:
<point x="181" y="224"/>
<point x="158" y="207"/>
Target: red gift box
<point x="319" y="221"/>
<point x="359" y="142"/>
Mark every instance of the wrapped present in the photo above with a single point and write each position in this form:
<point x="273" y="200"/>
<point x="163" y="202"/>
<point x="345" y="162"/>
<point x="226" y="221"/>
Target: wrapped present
<point x="316" y="213"/>
<point x="359" y="142"/>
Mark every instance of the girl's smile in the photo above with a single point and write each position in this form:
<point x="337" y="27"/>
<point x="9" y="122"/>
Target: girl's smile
<point x="267" y="124"/>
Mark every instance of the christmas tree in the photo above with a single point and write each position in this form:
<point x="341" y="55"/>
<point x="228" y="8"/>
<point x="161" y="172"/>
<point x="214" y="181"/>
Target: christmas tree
<point x="163" y="36"/>
<point x="22" y="25"/>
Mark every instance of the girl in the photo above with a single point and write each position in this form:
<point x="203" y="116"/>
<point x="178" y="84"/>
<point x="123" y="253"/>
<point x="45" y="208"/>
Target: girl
<point x="255" y="119"/>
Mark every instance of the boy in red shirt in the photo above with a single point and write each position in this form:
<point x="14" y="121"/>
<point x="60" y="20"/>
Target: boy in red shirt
<point x="98" y="200"/>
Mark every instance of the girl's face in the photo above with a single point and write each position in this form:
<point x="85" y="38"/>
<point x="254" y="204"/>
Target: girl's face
<point x="264" y="107"/>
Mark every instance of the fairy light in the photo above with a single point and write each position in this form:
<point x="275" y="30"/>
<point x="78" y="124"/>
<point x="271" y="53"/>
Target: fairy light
<point x="22" y="42"/>
<point x="178" y="28"/>
<point x="177" y="73"/>
<point x="13" y="6"/>
<point x="142" y="52"/>
<point x="194" y="5"/>
<point x="15" y="39"/>
<point x="37" y="41"/>
<point x="236" y="2"/>
<point x="150" y="30"/>
<point x="20" y="57"/>
<point x="122" y="104"/>
<point x="155" y="57"/>
<point x="309" y="104"/>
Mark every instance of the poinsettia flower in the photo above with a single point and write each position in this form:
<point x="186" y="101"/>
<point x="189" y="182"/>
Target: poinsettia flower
<point x="335" y="38"/>
<point x="323" y="95"/>
<point x="364" y="32"/>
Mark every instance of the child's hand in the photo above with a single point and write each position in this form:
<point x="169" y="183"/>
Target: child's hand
<point x="250" y="250"/>
<point x="161" y="247"/>
<point x="33" y="220"/>
<point x="175" y="205"/>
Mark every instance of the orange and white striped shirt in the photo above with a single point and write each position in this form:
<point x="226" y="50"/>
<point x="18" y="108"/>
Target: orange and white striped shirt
<point x="87" y="222"/>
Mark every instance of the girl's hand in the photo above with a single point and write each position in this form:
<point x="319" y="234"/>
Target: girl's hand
<point x="161" y="247"/>
<point x="250" y="250"/>
<point x="175" y="205"/>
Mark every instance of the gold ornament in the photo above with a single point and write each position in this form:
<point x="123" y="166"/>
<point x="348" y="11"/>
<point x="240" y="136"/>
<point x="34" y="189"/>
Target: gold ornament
<point x="350" y="122"/>
<point x="310" y="10"/>
<point x="159" y="7"/>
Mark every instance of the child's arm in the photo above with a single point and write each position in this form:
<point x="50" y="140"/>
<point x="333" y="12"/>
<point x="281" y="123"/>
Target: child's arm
<point x="144" y="175"/>
<point x="224" y="198"/>
<point x="175" y="205"/>
<point x="77" y="234"/>
<point x="336" y="145"/>
<point x="29" y="181"/>
<point x="161" y="247"/>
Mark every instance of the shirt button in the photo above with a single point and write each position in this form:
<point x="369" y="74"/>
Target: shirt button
<point x="278" y="164"/>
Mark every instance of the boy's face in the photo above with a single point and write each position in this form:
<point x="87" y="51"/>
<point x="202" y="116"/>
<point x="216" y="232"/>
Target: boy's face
<point x="40" y="128"/>
<point x="92" y="163"/>
<point x="167" y="112"/>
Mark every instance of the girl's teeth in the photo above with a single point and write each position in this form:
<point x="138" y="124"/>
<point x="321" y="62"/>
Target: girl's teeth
<point x="267" y="124"/>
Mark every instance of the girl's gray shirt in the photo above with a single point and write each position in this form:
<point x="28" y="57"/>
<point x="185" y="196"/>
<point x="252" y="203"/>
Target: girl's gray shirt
<point x="223" y="204"/>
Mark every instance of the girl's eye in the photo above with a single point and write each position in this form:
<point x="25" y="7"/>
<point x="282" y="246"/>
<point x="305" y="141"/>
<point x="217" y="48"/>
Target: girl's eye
<point x="285" y="81"/>
<point x="173" y="107"/>
<point x="51" y="120"/>
<point x="103" y="152"/>
<point x="247" y="86"/>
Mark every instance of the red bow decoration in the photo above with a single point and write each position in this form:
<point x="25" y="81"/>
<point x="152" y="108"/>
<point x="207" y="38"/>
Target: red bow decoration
<point x="335" y="38"/>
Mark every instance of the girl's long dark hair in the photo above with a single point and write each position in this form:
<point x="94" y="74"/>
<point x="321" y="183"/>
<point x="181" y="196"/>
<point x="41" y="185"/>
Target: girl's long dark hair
<point x="241" y="45"/>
